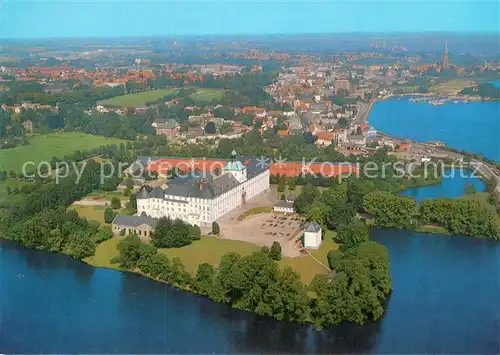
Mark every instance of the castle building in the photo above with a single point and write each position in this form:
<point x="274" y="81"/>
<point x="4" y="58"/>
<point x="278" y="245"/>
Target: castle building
<point x="203" y="199"/>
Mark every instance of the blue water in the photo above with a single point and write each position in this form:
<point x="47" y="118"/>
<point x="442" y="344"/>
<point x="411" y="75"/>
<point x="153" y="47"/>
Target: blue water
<point x="473" y="126"/>
<point x="495" y="82"/>
<point x="453" y="185"/>
<point x="445" y="300"/>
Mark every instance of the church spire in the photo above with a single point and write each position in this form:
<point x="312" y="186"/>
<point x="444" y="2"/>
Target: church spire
<point x="445" y="63"/>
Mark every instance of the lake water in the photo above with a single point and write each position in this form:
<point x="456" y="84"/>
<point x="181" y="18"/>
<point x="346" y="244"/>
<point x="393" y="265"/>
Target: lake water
<point x="453" y="185"/>
<point x="445" y="300"/>
<point x="473" y="126"/>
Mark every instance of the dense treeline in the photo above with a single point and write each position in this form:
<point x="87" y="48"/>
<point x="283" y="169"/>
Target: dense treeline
<point x="354" y="292"/>
<point x="460" y="216"/>
<point x="487" y="90"/>
<point x="391" y="210"/>
<point x="339" y="206"/>
<point x="40" y="220"/>
<point x="34" y="92"/>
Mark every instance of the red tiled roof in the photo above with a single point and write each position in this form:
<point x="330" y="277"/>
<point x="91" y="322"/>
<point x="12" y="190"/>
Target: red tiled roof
<point x="325" y="136"/>
<point x="325" y="169"/>
<point x="162" y="166"/>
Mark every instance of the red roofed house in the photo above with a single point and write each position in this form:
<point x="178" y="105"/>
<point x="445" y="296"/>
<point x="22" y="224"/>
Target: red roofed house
<point x="402" y="147"/>
<point x="283" y="132"/>
<point x="324" y="138"/>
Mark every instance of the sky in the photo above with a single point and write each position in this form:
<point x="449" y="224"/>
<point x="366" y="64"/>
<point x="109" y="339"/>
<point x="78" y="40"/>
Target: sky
<point x="113" y="18"/>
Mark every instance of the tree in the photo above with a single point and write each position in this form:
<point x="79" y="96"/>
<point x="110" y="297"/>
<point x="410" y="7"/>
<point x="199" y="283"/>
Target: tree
<point x="316" y="212"/>
<point x="129" y="251"/>
<point x="308" y="196"/>
<point x="205" y="277"/>
<point x="352" y="234"/>
<point x="115" y="203"/>
<point x="391" y="210"/>
<point x="109" y="215"/>
<point x="80" y="244"/>
<point x="179" y="275"/>
<point x="196" y="232"/>
<point x="275" y="251"/>
<point x="339" y="212"/>
<point x="334" y="258"/>
<point x="133" y="201"/>
<point x="281" y="184"/>
<point x="215" y="228"/>
<point x="129" y="183"/>
<point x="210" y="128"/>
<point x="172" y="234"/>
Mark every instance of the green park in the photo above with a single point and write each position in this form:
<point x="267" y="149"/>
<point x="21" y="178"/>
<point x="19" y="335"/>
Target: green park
<point x="202" y="95"/>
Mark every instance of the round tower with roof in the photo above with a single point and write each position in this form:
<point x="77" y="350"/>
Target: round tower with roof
<point x="236" y="168"/>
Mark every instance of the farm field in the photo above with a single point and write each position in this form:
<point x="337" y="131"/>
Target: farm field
<point x="44" y="147"/>
<point x="202" y="95"/>
<point x="452" y="86"/>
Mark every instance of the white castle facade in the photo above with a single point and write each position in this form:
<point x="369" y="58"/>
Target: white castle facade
<point x="202" y="201"/>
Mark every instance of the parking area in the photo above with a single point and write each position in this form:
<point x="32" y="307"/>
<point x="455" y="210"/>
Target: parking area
<point x="265" y="228"/>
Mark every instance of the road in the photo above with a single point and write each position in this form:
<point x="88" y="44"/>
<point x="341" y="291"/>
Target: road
<point x="363" y="111"/>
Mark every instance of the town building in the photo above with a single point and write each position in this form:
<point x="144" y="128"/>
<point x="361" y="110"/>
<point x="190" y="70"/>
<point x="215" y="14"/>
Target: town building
<point x="371" y="133"/>
<point x="312" y="235"/>
<point x="205" y="198"/>
<point x="285" y="206"/>
<point x="324" y="138"/>
<point x="166" y="126"/>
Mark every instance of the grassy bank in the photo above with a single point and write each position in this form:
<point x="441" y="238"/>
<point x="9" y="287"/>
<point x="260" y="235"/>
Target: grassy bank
<point x="44" y="147"/>
<point x="256" y="210"/>
<point x="210" y="250"/>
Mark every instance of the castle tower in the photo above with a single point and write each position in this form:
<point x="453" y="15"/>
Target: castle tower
<point x="236" y="168"/>
<point x="445" y="64"/>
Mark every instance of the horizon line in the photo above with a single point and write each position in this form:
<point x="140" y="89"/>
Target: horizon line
<point x="259" y="34"/>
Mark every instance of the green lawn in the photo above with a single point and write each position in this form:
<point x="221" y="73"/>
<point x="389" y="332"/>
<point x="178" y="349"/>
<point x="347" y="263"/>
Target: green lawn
<point x="208" y="249"/>
<point x="44" y="147"/>
<point x="202" y="95"/>
<point x="306" y="266"/>
<point x="138" y="98"/>
<point x="92" y="213"/>
<point x="205" y="95"/>
<point x="100" y="195"/>
<point x="104" y="252"/>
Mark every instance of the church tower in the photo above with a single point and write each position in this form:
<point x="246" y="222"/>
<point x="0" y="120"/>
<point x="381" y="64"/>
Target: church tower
<point x="445" y="64"/>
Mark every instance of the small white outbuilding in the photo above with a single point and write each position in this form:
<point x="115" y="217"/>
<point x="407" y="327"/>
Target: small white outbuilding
<point x="312" y="235"/>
